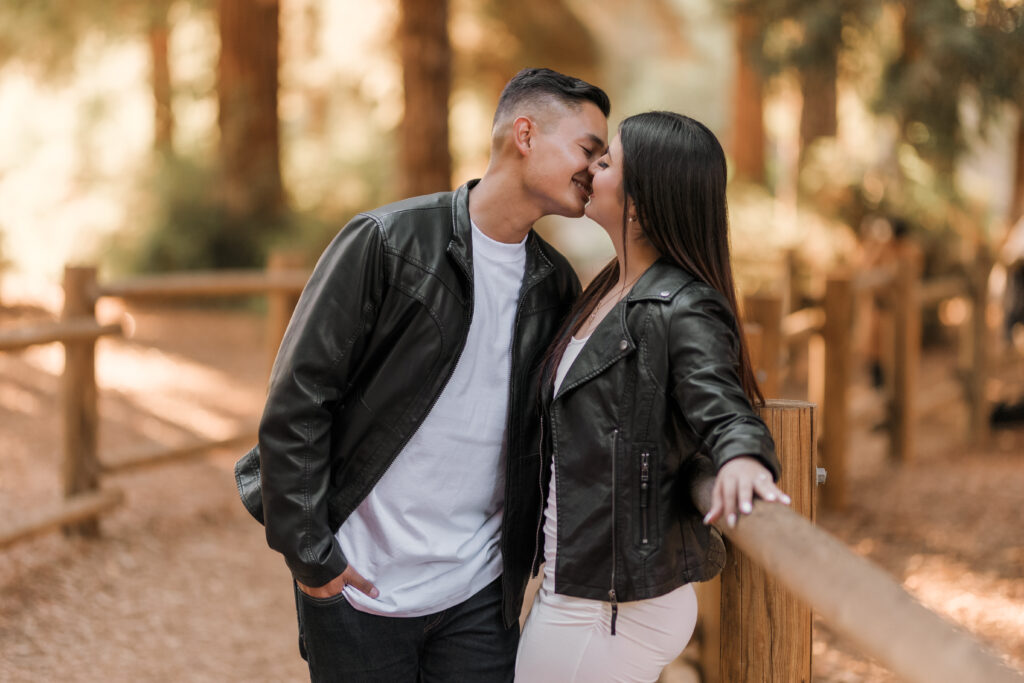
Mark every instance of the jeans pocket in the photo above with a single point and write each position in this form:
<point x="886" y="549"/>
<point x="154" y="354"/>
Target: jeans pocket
<point x="321" y="602"/>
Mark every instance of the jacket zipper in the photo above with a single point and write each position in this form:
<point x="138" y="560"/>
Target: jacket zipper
<point x="611" y="592"/>
<point x="508" y="423"/>
<point x="645" y="493"/>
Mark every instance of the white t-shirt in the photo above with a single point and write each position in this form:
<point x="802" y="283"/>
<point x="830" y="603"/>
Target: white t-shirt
<point x="428" y="535"/>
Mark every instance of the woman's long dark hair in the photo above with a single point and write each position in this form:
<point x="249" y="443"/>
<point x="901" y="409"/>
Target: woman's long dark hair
<point x="673" y="169"/>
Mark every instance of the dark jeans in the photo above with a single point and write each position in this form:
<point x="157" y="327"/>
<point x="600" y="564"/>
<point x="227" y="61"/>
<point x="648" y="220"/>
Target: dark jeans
<point x="467" y="642"/>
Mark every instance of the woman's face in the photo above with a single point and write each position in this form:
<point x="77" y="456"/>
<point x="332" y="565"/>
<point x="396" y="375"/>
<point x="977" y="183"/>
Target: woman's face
<point x="607" y="200"/>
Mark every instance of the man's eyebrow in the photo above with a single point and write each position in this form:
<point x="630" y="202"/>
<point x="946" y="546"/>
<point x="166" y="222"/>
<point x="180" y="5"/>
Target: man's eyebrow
<point x="601" y="146"/>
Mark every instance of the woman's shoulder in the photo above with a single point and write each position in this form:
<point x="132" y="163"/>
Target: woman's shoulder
<point x="676" y="285"/>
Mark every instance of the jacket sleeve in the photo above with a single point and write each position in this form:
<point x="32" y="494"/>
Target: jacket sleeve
<point x="704" y="356"/>
<point x="320" y="349"/>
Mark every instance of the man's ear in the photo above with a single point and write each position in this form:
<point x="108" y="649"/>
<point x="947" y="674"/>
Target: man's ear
<point x="523" y="130"/>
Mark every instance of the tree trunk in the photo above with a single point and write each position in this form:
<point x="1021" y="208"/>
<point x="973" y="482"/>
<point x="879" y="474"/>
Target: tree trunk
<point x="818" y="116"/>
<point x="1017" y="197"/>
<point x="247" y="81"/>
<point x="426" y="164"/>
<point x="163" y="113"/>
<point x="748" y="117"/>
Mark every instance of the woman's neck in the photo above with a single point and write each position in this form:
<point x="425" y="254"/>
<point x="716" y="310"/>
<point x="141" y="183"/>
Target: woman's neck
<point x="634" y="260"/>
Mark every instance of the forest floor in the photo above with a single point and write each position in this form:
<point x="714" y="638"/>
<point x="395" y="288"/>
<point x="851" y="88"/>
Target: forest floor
<point x="180" y="586"/>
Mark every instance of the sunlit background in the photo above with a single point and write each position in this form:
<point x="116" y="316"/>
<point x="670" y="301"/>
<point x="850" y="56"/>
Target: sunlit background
<point x="130" y="140"/>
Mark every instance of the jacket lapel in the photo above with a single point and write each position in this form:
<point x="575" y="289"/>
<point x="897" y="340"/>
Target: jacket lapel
<point x="609" y="342"/>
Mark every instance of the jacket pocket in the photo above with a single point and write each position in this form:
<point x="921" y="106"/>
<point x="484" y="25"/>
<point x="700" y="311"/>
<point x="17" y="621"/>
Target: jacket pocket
<point x="247" y="479"/>
<point x="646" y="535"/>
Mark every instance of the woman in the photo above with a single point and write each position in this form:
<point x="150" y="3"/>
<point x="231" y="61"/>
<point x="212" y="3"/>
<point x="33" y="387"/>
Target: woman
<point x="648" y="383"/>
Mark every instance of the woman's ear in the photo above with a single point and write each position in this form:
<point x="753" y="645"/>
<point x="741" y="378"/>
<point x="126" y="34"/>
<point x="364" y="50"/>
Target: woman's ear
<point x="631" y="214"/>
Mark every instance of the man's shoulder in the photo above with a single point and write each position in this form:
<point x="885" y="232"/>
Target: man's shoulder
<point x="412" y="208"/>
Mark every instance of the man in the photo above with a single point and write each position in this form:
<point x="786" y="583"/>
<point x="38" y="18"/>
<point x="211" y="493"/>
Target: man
<point x="398" y="447"/>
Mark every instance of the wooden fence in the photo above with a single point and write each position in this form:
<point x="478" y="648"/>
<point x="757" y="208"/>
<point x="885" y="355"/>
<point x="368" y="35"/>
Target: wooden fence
<point x="82" y="468"/>
<point x="826" y="330"/>
<point x="781" y="566"/>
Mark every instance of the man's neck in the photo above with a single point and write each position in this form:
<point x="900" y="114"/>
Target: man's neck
<point x="499" y="210"/>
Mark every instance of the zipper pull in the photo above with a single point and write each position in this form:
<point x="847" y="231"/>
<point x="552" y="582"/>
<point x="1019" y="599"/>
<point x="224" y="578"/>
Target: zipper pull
<point x="615" y="608"/>
<point x="645" y="494"/>
<point x="645" y="477"/>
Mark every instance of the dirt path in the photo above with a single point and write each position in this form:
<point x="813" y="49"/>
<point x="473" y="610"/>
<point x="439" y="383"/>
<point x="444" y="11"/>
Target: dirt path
<point x="182" y="587"/>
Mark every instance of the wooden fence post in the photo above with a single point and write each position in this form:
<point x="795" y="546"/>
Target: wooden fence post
<point x="837" y="342"/>
<point x="766" y="632"/>
<point x="766" y="311"/>
<point x="977" y="378"/>
<point x="907" y="350"/>
<point x="81" y="416"/>
<point x="281" y="302"/>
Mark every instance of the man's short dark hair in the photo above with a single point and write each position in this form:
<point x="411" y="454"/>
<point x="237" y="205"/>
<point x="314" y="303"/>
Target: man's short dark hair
<point x="530" y="84"/>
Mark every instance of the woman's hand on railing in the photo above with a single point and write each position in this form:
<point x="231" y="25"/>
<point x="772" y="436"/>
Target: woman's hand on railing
<point x="735" y="486"/>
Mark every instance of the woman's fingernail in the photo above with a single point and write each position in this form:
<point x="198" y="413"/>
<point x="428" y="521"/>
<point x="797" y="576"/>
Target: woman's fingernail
<point x="785" y="499"/>
<point x="707" y="518"/>
<point x="732" y="520"/>
<point x="745" y="507"/>
<point x="375" y="593"/>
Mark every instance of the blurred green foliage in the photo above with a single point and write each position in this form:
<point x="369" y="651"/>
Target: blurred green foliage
<point x="185" y="225"/>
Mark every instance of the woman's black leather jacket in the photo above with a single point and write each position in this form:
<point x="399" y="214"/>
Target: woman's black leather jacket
<point x="653" y="396"/>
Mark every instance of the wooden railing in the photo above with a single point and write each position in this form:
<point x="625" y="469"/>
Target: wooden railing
<point x="781" y="567"/>
<point x="82" y="468"/>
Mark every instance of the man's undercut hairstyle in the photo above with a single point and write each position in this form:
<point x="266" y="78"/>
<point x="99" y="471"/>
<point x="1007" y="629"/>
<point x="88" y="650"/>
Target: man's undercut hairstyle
<point x="541" y="86"/>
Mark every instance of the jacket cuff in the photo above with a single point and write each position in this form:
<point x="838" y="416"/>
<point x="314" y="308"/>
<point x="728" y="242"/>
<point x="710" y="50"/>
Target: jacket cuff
<point x="316" y="575"/>
<point x="749" y="447"/>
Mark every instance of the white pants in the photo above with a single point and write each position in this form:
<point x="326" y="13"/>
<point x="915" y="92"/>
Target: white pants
<point x="569" y="639"/>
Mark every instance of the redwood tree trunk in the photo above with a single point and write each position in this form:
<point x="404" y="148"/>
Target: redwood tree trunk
<point x="818" y="116"/>
<point x="247" y="81"/>
<point x="748" y="136"/>
<point x="1017" y="198"/>
<point x="163" y="119"/>
<point x="426" y="52"/>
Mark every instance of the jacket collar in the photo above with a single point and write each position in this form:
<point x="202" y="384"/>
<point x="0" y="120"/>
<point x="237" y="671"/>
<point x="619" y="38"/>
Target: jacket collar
<point x="538" y="265"/>
<point x="661" y="282"/>
<point x="611" y="339"/>
<point x="461" y="244"/>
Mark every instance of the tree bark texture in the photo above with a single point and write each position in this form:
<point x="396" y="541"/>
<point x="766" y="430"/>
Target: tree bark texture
<point x="247" y="83"/>
<point x="163" y="119"/>
<point x="818" y="116"/>
<point x="748" y="137"/>
<point x="1017" y="197"/>
<point x="426" y="53"/>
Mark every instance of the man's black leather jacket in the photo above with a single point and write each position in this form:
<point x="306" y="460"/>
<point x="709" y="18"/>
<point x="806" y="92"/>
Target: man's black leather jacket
<point x="653" y="397"/>
<point x="374" y="339"/>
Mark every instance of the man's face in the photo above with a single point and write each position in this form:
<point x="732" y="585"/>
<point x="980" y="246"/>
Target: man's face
<point x="561" y="152"/>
